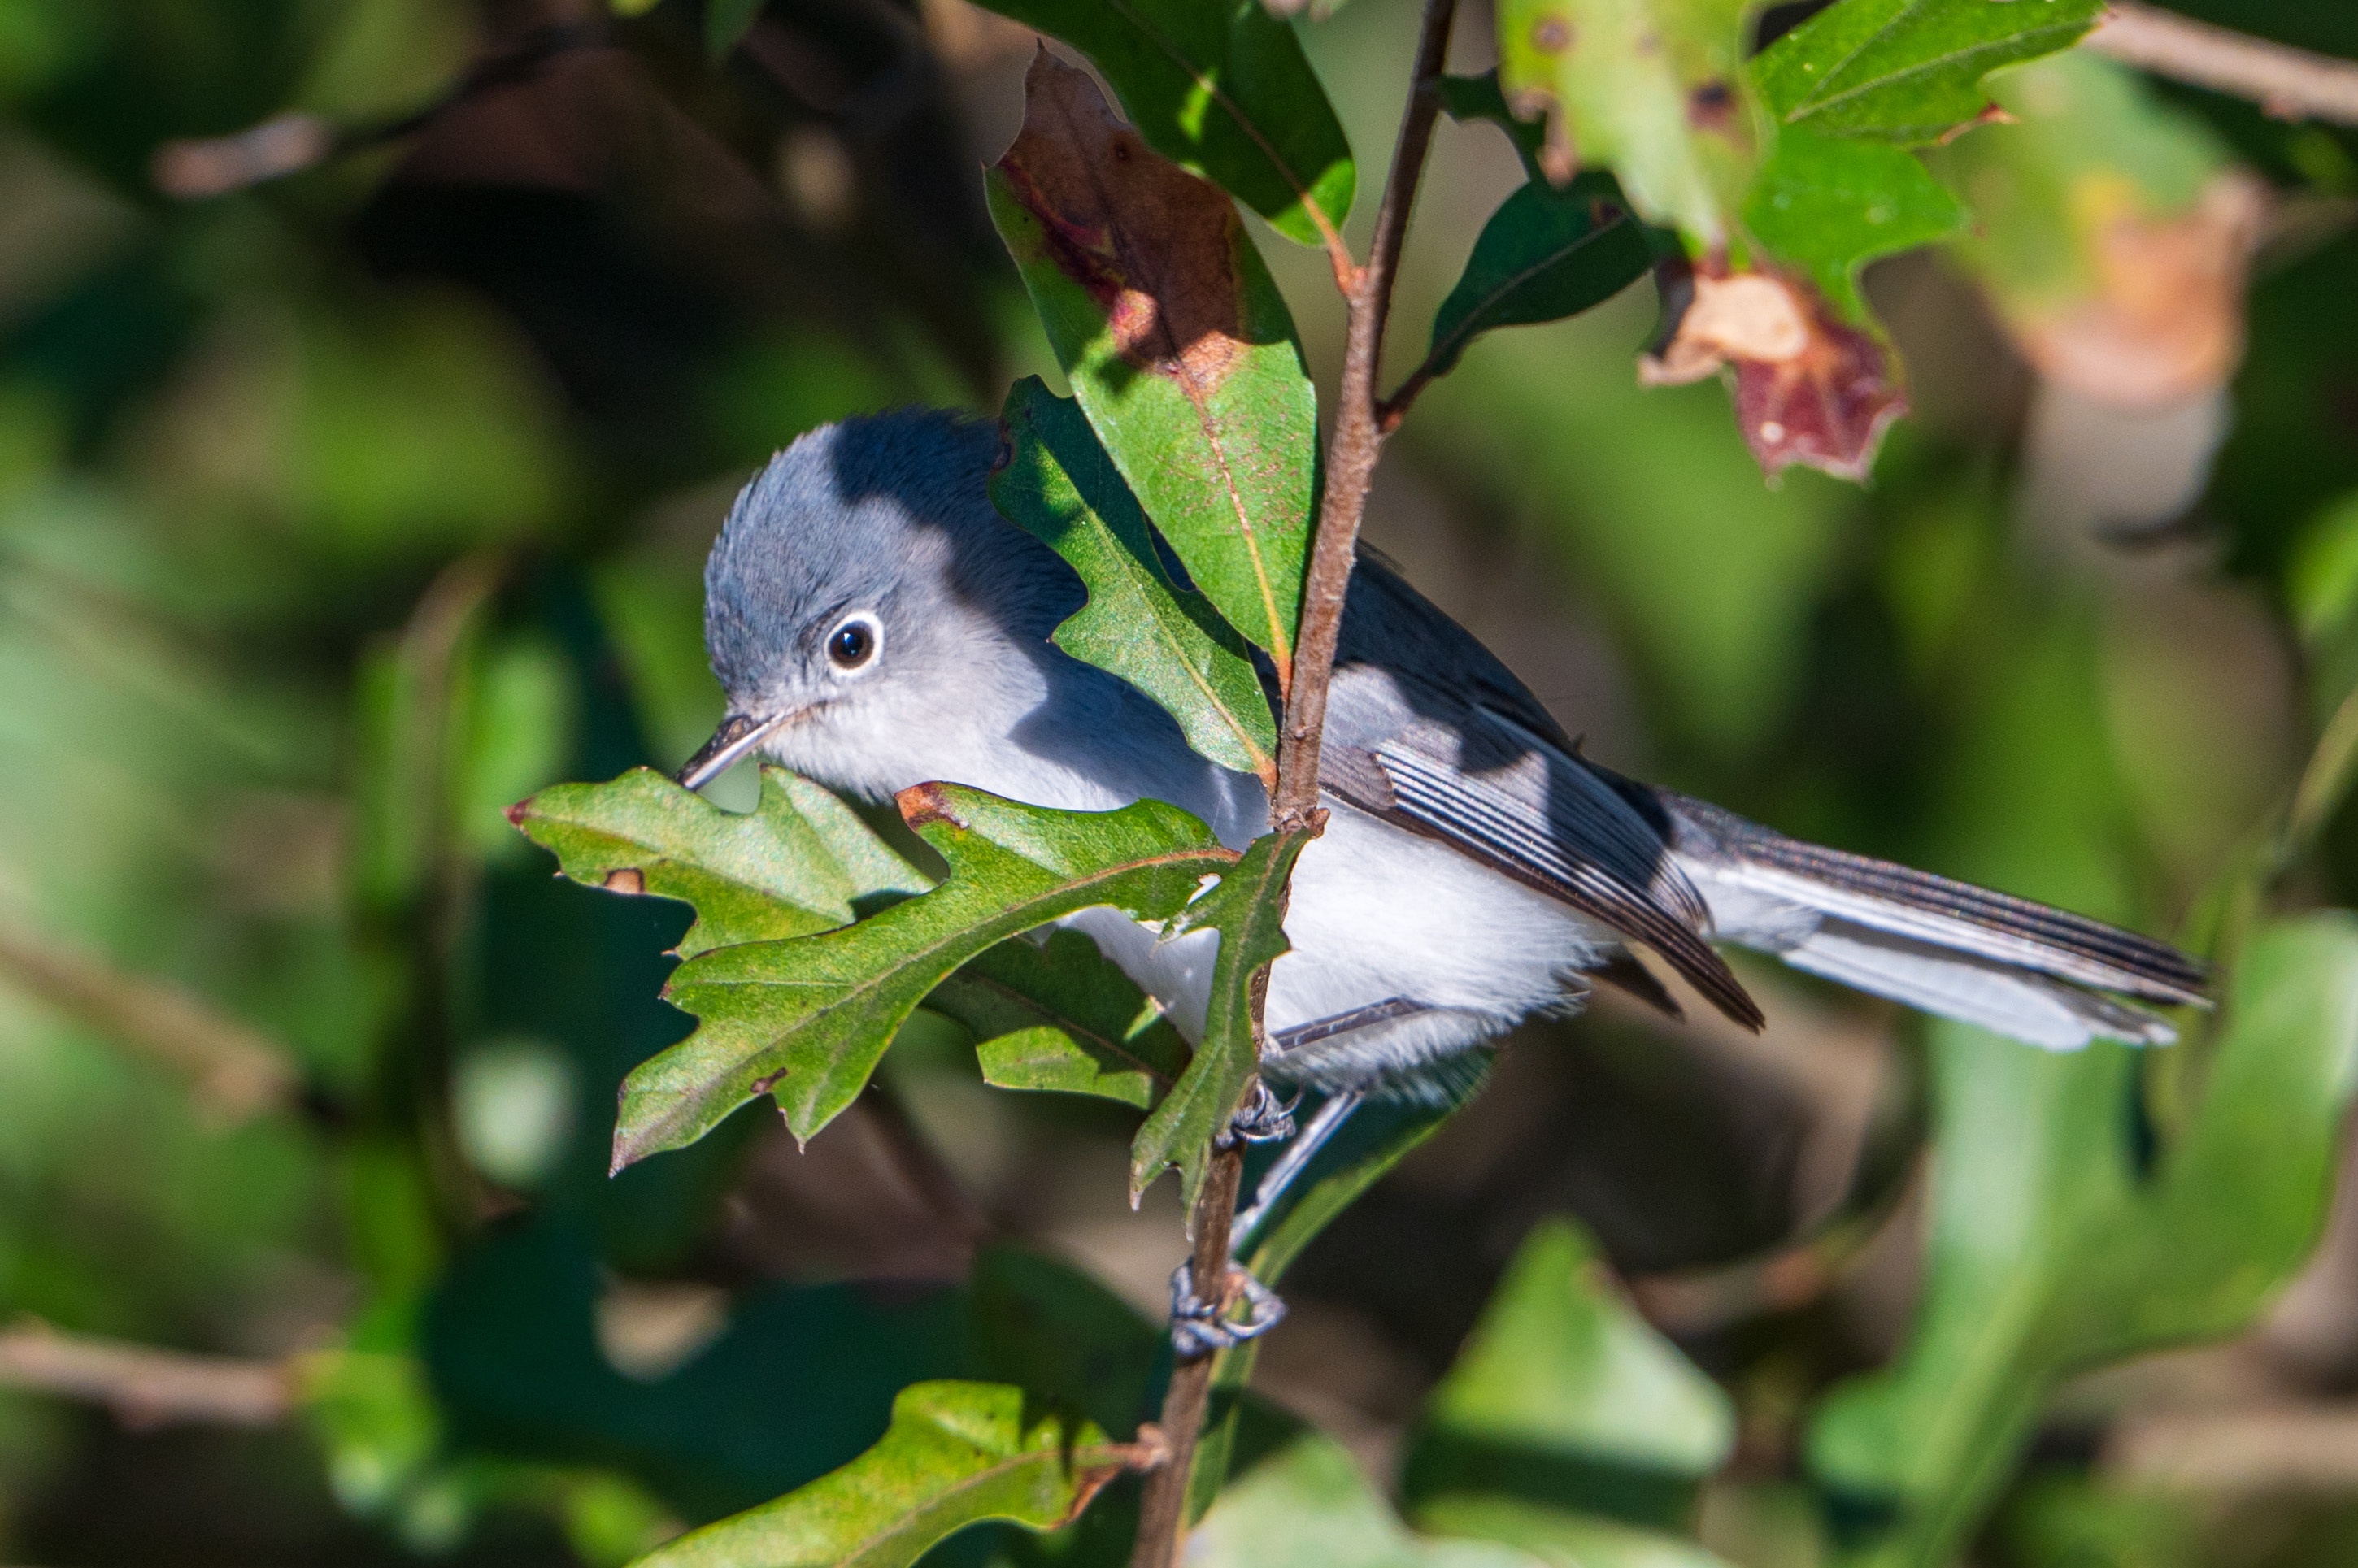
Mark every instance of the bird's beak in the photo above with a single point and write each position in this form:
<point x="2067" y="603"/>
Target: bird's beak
<point x="739" y="733"/>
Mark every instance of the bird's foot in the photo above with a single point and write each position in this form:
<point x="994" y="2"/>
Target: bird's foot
<point x="1263" y="1119"/>
<point x="1199" y="1327"/>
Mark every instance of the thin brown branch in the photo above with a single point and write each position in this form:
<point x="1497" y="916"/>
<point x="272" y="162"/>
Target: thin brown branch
<point x="1357" y="438"/>
<point x="2290" y="83"/>
<point x="1350" y="466"/>
<point x="1163" y="1503"/>
<point x="234" y="1070"/>
<point x="144" y="1386"/>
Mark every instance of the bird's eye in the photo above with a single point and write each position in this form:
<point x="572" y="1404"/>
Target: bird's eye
<point x="854" y="644"/>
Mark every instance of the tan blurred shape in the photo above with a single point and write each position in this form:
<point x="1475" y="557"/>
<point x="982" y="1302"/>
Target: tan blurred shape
<point x="2165" y="317"/>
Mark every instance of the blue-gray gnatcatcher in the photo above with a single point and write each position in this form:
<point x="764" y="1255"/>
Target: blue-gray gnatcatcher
<point x="876" y="624"/>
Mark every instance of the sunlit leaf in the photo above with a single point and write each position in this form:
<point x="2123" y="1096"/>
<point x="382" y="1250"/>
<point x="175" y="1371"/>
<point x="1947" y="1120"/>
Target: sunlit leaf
<point x="1061" y="1016"/>
<point x="1829" y="207"/>
<point x="1563" y="1397"/>
<point x="2052" y="1247"/>
<point x="1653" y="89"/>
<point x="806" y="1020"/>
<point x="1178" y="344"/>
<point x="1308" y="1505"/>
<point x="790" y="867"/>
<point x="1167" y="641"/>
<point x="1907" y="71"/>
<point x="1220" y="87"/>
<point x="956" y="1454"/>
<point x="1247" y="908"/>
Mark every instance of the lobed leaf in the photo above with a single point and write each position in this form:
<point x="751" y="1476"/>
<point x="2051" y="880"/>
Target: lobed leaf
<point x="1544" y="255"/>
<point x="1907" y="71"/>
<point x="1178" y="344"/>
<point x="1831" y="206"/>
<point x="1249" y="910"/>
<point x="1059" y="486"/>
<point x="806" y="1020"/>
<point x="1221" y="88"/>
<point x="792" y="866"/>
<point x="1653" y="89"/>
<point x="1061" y="1016"/>
<point x="957" y="1454"/>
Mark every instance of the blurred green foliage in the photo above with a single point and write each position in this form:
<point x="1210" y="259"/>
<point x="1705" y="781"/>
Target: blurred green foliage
<point x="339" y="512"/>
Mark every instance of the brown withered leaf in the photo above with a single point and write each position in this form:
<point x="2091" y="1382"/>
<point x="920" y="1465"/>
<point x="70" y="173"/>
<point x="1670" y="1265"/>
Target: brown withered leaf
<point x="1179" y="346"/>
<point x="2166" y="318"/>
<point x="1809" y="388"/>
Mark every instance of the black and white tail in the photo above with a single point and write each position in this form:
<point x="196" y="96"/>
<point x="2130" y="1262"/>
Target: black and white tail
<point x="2008" y="964"/>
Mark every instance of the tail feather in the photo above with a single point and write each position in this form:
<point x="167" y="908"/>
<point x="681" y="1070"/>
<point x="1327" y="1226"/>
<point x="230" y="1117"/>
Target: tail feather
<point x="2023" y="969"/>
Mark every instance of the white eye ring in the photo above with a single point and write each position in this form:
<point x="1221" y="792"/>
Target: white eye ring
<point x="856" y="643"/>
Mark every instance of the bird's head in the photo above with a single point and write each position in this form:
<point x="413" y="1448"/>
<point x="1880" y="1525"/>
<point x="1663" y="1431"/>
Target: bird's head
<point x="864" y="598"/>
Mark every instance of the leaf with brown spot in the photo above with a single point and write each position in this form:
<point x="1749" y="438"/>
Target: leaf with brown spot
<point x="1222" y="88"/>
<point x="1810" y="388"/>
<point x="1178" y="344"/>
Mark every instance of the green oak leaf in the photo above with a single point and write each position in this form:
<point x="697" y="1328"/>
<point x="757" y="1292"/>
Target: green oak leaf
<point x="955" y="1455"/>
<point x="1059" y="486"/>
<point x="1247" y="908"/>
<point x="1061" y="1016"/>
<point x="2055" y="1247"/>
<point x="1544" y="255"/>
<point x="1831" y="206"/>
<point x="1653" y="89"/>
<point x="1907" y="71"/>
<point x="1221" y="88"/>
<point x="806" y="1020"/>
<point x="1179" y="346"/>
<point x="792" y="866"/>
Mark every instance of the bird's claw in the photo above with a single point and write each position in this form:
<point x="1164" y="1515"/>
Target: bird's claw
<point x="1199" y="1327"/>
<point x="1263" y="1119"/>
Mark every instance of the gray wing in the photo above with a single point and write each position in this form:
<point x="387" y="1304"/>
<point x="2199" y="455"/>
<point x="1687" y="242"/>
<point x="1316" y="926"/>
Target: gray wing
<point x="1427" y="728"/>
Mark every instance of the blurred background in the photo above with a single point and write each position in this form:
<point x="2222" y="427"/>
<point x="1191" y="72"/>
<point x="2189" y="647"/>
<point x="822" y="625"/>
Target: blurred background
<point x="339" y="511"/>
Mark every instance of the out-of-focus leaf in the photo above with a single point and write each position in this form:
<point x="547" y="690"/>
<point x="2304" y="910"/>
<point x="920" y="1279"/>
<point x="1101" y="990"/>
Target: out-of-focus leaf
<point x="1907" y="71"/>
<point x="1178" y="344"/>
<point x="1165" y="640"/>
<point x="1061" y="1016"/>
<point x="1246" y="908"/>
<point x="1065" y="1338"/>
<point x="799" y="1381"/>
<point x="1544" y="255"/>
<point x="1564" y="1397"/>
<point x="516" y="726"/>
<point x="1559" y="1537"/>
<point x="2111" y="232"/>
<point x="1831" y="206"/>
<point x="956" y="1454"/>
<point x="1220" y="88"/>
<point x="725" y="21"/>
<point x="806" y="1020"/>
<point x="758" y="876"/>
<point x="1307" y="1505"/>
<point x="2052" y="1249"/>
<point x="2321" y="581"/>
<point x="1653" y="89"/>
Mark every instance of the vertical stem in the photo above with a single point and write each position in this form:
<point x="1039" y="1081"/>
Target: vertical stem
<point x="1163" y="1505"/>
<point x="1358" y="437"/>
<point x="1350" y="465"/>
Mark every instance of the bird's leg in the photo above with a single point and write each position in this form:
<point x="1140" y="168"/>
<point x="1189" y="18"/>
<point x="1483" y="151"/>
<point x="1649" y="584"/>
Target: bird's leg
<point x="1296" y="1159"/>
<point x="1263" y="1119"/>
